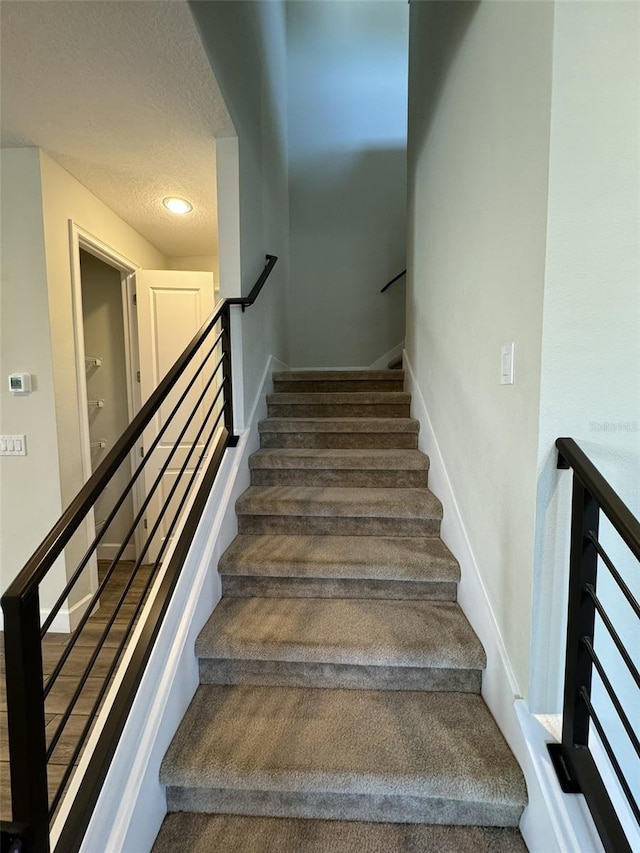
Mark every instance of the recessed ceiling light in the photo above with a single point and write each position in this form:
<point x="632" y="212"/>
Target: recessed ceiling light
<point x="177" y="205"/>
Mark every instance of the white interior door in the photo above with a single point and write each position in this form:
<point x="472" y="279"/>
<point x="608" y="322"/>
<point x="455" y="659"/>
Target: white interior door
<point x="171" y="307"/>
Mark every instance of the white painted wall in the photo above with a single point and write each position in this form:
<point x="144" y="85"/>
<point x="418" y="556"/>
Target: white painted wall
<point x="590" y="386"/>
<point x="524" y="215"/>
<point x="39" y="198"/>
<point x="29" y="485"/>
<point x="591" y="337"/>
<point x="347" y="125"/>
<point x="65" y="198"/>
<point x="245" y="43"/>
<point x="479" y="105"/>
<point x="196" y="263"/>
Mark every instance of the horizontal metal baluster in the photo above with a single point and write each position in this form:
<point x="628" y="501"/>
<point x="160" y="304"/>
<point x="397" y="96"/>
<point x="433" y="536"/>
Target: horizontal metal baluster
<point x="76" y="575"/>
<point x="611" y="754"/>
<point x="114" y="663"/>
<point x="183" y="500"/>
<point x="85" y="617"/>
<point x="624" y="589"/>
<point x="624" y="654"/>
<point x="26" y="583"/>
<point x="612" y="695"/>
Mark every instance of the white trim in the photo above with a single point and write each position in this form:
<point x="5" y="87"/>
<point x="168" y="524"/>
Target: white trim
<point x="266" y="386"/>
<point x="552" y="822"/>
<point x="111" y="550"/>
<point x="80" y="238"/>
<point x="499" y="686"/>
<point x="472" y="593"/>
<point x="65" y="620"/>
<point x="567" y="825"/>
<point x="614" y="790"/>
<point x="132" y="803"/>
<point x="383" y="362"/>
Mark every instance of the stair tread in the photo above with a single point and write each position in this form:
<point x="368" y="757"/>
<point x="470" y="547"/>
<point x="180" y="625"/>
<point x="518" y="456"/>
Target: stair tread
<point x="348" y="425"/>
<point x="202" y="833"/>
<point x="417" y="744"/>
<point x="385" y="558"/>
<point x="330" y="501"/>
<point x="359" y="632"/>
<point x="351" y="458"/>
<point x="400" y="398"/>
<point x="337" y="375"/>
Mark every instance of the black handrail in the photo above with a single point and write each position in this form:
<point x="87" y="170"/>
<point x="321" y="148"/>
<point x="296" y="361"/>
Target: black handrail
<point x="393" y="281"/>
<point x="246" y="301"/>
<point x="572" y="758"/>
<point x="624" y="521"/>
<point x="26" y="690"/>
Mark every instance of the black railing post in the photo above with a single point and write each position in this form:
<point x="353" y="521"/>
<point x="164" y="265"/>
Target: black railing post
<point x="583" y="564"/>
<point x="25" y="712"/>
<point x="225" y="319"/>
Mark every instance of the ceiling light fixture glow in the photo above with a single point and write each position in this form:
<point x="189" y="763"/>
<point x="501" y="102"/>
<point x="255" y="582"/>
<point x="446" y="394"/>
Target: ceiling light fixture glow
<point x="177" y="205"/>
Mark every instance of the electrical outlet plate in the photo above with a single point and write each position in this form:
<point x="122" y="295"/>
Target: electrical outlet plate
<point x="13" y="445"/>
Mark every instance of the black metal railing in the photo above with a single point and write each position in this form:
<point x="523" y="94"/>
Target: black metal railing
<point x="590" y="623"/>
<point x="57" y="684"/>
<point x="393" y="281"/>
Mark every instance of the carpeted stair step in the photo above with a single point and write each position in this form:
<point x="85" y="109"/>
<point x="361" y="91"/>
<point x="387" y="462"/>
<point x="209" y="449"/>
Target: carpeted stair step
<point x="386" y="433"/>
<point x="362" y="468"/>
<point x="204" y="833"/>
<point x="338" y="381"/>
<point x="338" y="511"/>
<point x="380" y="756"/>
<point x="372" y="404"/>
<point x="394" y="567"/>
<point x="350" y="643"/>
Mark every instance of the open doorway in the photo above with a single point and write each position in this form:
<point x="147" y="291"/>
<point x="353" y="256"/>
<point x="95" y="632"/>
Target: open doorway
<point x="130" y="325"/>
<point x="108" y="391"/>
<point x="108" y="394"/>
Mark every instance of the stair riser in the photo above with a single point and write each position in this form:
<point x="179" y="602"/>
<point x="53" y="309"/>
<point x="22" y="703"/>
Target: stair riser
<point x="339" y="806"/>
<point x="337" y="386"/>
<point x="242" y="586"/>
<point x="269" y="673"/>
<point x="341" y="440"/>
<point x="336" y="526"/>
<point x="329" y="410"/>
<point x="377" y="479"/>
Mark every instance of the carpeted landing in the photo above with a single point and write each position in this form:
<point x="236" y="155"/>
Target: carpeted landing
<point x="339" y="706"/>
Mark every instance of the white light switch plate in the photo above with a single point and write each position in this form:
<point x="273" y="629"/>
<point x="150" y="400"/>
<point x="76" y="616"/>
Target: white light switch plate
<point x="13" y="445"/>
<point x="506" y="363"/>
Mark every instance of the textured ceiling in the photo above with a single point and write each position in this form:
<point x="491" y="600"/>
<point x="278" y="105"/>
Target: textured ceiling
<point x="121" y="94"/>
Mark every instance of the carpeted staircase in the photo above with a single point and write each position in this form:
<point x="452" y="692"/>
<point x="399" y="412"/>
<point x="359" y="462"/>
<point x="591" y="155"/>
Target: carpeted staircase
<point x="340" y="680"/>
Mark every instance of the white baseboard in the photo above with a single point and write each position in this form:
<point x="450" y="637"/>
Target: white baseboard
<point x="568" y="826"/>
<point x="65" y="619"/>
<point x="109" y="550"/>
<point x="132" y="803"/>
<point x="383" y="362"/>
<point x="499" y="686"/>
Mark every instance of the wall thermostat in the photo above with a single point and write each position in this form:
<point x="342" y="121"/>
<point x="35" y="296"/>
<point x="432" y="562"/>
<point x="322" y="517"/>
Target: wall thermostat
<point x="20" y="383"/>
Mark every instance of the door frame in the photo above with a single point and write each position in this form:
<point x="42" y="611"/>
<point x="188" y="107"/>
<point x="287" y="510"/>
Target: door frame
<point x="80" y="238"/>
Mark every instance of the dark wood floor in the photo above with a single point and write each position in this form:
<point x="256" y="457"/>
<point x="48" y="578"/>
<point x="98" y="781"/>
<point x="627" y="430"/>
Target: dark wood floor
<point x="58" y="699"/>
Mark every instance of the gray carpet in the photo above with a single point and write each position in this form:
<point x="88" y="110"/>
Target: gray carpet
<point x="368" y="633"/>
<point x="339" y="707"/>
<point x="201" y="833"/>
<point x="428" y="753"/>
